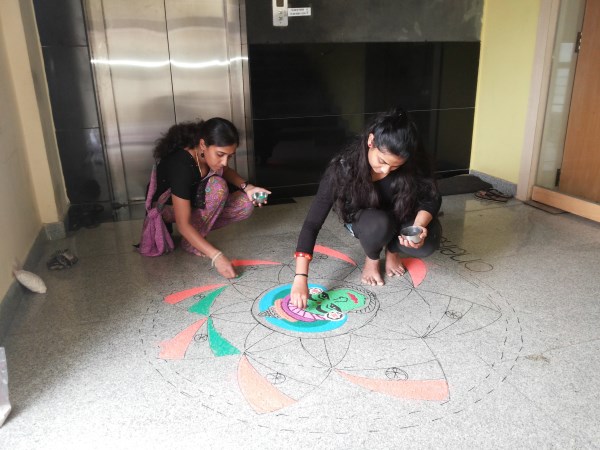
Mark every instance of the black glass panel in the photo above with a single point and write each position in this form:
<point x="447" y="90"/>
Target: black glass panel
<point x="310" y="100"/>
<point x="60" y="22"/>
<point x="71" y="87"/>
<point x="368" y="21"/>
<point x="83" y="165"/>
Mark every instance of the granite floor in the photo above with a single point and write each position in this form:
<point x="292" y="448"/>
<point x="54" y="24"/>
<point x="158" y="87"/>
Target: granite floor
<point x="491" y="342"/>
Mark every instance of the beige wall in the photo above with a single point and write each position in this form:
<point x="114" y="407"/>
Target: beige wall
<point x="32" y="193"/>
<point x="507" y="52"/>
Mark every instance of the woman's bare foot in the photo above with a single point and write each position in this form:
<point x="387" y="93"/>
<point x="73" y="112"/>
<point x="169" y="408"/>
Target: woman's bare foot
<point x="393" y="264"/>
<point x="370" y="273"/>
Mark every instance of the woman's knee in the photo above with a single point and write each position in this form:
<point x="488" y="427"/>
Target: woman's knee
<point x="215" y="194"/>
<point x="245" y="206"/>
<point x="373" y="228"/>
<point x="217" y="186"/>
<point x="374" y="222"/>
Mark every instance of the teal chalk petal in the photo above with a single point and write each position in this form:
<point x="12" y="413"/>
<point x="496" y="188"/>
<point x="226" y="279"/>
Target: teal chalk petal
<point x="218" y="344"/>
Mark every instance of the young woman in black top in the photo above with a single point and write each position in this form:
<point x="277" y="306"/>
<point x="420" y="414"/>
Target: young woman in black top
<point x="193" y="165"/>
<point x="379" y="185"/>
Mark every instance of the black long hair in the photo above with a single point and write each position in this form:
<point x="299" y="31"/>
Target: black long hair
<point x="216" y="131"/>
<point x="395" y="133"/>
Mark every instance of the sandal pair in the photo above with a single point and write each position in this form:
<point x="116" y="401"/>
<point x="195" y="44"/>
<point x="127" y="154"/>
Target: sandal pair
<point x="493" y="194"/>
<point x="61" y="259"/>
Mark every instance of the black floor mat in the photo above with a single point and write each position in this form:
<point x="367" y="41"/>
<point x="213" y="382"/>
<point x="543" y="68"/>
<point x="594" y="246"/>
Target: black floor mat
<point x="462" y="184"/>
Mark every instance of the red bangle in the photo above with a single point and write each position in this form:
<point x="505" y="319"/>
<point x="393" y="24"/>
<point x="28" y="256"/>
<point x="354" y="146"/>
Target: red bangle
<point x="303" y="255"/>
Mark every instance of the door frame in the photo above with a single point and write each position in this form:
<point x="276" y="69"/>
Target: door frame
<point x="538" y="101"/>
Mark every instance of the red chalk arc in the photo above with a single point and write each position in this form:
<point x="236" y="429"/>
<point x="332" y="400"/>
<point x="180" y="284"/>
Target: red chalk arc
<point x="416" y="268"/>
<point x="253" y="262"/>
<point x="334" y="253"/>
<point x="180" y="296"/>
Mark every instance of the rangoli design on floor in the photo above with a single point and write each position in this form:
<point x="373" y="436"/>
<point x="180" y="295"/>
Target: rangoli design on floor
<point x="424" y="344"/>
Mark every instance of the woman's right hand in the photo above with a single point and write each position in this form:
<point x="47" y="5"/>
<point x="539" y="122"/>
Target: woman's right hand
<point x="299" y="294"/>
<point x="224" y="267"/>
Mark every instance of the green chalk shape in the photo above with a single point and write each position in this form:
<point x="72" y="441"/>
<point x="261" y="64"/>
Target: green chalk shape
<point x="203" y="306"/>
<point x="218" y="344"/>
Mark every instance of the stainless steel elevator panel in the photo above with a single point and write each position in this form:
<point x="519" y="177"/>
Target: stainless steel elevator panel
<point x="199" y="62"/>
<point x="158" y="62"/>
<point x="138" y="51"/>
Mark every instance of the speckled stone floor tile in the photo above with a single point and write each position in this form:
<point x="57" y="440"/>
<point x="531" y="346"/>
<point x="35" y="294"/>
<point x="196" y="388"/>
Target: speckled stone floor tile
<point x="491" y="342"/>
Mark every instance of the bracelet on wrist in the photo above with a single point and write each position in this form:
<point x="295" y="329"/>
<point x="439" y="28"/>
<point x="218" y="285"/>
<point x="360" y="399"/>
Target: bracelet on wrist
<point x="214" y="258"/>
<point x="303" y="255"/>
<point x="244" y="185"/>
<point x="301" y="275"/>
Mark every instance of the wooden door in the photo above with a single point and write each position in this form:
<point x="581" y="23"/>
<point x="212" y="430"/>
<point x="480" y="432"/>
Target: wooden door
<point x="580" y="171"/>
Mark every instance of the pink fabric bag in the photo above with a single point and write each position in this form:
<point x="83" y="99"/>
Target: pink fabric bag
<point x="155" y="239"/>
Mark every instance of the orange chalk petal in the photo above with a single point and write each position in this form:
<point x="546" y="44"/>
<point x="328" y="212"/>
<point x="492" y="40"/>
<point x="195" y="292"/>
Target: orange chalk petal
<point x="416" y="268"/>
<point x="410" y="389"/>
<point x="281" y="312"/>
<point x="333" y="253"/>
<point x="262" y="395"/>
<point x="175" y="348"/>
<point x="253" y="262"/>
<point x="179" y="296"/>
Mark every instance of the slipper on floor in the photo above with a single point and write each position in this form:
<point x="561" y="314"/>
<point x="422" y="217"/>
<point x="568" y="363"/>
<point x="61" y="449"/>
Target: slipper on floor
<point x="55" y="264"/>
<point x="497" y="193"/>
<point x="67" y="257"/>
<point x="61" y="259"/>
<point x="486" y="195"/>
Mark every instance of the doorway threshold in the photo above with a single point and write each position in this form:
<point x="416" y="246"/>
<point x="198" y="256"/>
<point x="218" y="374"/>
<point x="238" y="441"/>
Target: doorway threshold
<point x="568" y="203"/>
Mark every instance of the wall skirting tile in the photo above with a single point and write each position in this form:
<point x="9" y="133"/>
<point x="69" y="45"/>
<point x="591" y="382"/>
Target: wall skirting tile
<point x="55" y="230"/>
<point x="10" y="302"/>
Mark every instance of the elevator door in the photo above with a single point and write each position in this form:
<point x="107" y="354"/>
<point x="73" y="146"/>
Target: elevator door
<point x="156" y="63"/>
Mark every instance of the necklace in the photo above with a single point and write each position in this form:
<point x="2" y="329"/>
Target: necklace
<point x="198" y="163"/>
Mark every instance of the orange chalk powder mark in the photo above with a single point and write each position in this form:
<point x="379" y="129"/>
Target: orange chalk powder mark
<point x="436" y="390"/>
<point x="281" y="312"/>
<point x="175" y="348"/>
<point x="262" y="396"/>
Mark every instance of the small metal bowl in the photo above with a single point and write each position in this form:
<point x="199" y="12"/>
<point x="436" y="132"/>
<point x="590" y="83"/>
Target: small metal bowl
<point x="412" y="233"/>
<point x="260" y="197"/>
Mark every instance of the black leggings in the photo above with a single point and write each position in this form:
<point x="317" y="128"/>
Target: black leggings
<point x="376" y="229"/>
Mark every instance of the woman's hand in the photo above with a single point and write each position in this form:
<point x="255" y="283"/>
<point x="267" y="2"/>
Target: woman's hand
<point x="251" y="190"/>
<point x="299" y="294"/>
<point x="224" y="266"/>
<point x="407" y="243"/>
